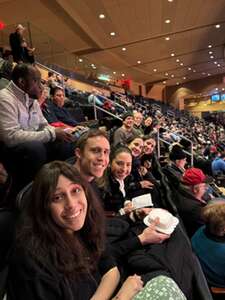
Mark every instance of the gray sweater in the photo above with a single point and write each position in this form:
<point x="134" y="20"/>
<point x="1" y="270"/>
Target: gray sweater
<point x="21" y="119"/>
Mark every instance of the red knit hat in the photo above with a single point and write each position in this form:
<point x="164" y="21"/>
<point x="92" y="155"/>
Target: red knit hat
<point x="193" y="176"/>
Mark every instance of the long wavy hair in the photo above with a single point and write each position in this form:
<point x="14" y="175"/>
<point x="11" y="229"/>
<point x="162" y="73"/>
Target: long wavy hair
<point x="45" y="241"/>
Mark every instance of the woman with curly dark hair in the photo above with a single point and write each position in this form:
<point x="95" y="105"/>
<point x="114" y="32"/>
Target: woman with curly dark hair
<point x="60" y="245"/>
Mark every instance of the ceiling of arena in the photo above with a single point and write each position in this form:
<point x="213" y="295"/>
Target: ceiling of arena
<point x="144" y="48"/>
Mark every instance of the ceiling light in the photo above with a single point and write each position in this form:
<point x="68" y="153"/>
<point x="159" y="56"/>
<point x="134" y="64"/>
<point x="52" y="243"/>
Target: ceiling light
<point x="166" y="74"/>
<point x="164" y="82"/>
<point x="209" y="46"/>
<point x="210" y="52"/>
<point x="217" y="25"/>
<point x="184" y="78"/>
<point x="189" y="69"/>
<point x="123" y="74"/>
<point x="216" y="89"/>
<point x="101" y="16"/>
<point x="209" y="74"/>
<point x="155" y="70"/>
<point x="167" y="38"/>
<point x="170" y="0"/>
<point x="94" y="67"/>
<point x="172" y="54"/>
<point x="167" y="21"/>
<point x="222" y="89"/>
<point x="114" y="72"/>
<point x="139" y="62"/>
<point x="215" y="62"/>
<point x="194" y="71"/>
<point x="218" y="65"/>
<point x="177" y="60"/>
<point x="177" y="83"/>
<point x="112" y="33"/>
<point x="172" y="75"/>
<point x="203" y="73"/>
<point x="124" y="49"/>
<point x="80" y="59"/>
<point x="212" y="56"/>
<point x="181" y="64"/>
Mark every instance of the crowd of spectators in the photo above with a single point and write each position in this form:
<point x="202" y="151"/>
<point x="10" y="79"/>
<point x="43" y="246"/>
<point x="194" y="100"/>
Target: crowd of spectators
<point x="111" y="172"/>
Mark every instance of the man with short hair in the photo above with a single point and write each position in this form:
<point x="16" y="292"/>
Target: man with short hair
<point x="29" y="141"/>
<point x="138" y="119"/>
<point x="92" y="154"/>
<point x="126" y="131"/>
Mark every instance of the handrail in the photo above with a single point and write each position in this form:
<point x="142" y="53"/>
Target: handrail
<point x="141" y="105"/>
<point x="117" y="104"/>
<point x="191" y="154"/>
<point x="49" y="69"/>
<point x="104" y="110"/>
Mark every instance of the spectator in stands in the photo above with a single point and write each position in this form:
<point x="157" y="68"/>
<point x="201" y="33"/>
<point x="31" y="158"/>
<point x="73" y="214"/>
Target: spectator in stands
<point x="190" y="199"/>
<point x="56" y="108"/>
<point x="28" y="139"/>
<point x="51" y="80"/>
<point x="28" y="53"/>
<point x="112" y="183"/>
<point x="15" y="40"/>
<point x="218" y="165"/>
<point x="176" y="168"/>
<point x="148" y="123"/>
<point x="93" y="98"/>
<point x="92" y="154"/>
<point x="138" y="119"/>
<point x="5" y="73"/>
<point x="209" y="243"/>
<point x="126" y="131"/>
<point x="60" y="250"/>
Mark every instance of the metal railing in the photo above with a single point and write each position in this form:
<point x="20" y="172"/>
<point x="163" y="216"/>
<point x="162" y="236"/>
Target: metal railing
<point x="159" y="139"/>
<point x="96" y="107"/>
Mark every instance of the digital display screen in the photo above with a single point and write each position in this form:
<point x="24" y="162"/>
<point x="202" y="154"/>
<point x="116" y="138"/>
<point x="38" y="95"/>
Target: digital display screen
<point x="215" y="97"/>
<point x="223" y="97"/>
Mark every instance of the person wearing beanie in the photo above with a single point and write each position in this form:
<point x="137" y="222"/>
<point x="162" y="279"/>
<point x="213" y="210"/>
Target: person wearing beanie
<point x="126" y="131"/>
<point x="175" y="169"/>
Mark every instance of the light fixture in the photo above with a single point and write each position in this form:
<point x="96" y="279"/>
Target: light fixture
<point x="215" y="62"/>
<point x="172" y="54"/>
<point x="177" y="60"/>
<point x="211" y="56"/>
<point x="167" y="38"/>
<point x="217" y="25"/>
<point x="203" y="73"/>
<point x="155" y="70"/>
<point x="101" y="16"/>
<point x="167" y="21"/>
<point x="194" y="71"/>
<point x="94" y="67"/>
<point x="210" y="52"/>
<point x="80" y="59"/>
<point x="209" y="74"/>
<point x="222" y="89"/>
<point x="184" y="78"/>
<point x="216" y="89"/>
<point x="112" y="33"/>
<point x="172" y="75"/>
<point x="166" y="74"/>
<point x="181" y="64"/>
<point x="139" y="62"/>
<point x="189" y="69"/>
<point x="209" y="46"/>
<point x="124" y="49"/>
<point x="123" y="74"/>
<point x="177" y="83"/>
<point x="170" y="0"/>
<point x="164" y="82"/>
<point x="114" y="72"/>
<point x="218" y="65"/>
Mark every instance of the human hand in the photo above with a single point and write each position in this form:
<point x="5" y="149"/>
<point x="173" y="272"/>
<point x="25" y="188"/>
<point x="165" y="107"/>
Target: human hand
<point x="142" y="212"/>
<point x="128" y="207"/>
<point x="146" y="184"/>
<point x="150" y="236"/>
<point x="63" y="135"/>
<point x="143" y="171"/>
<point x="78" y="128"/>
<point x="131" y="286"/>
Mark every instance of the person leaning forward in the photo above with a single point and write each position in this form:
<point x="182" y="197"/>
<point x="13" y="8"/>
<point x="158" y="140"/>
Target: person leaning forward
<point x="29" y="141"/>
